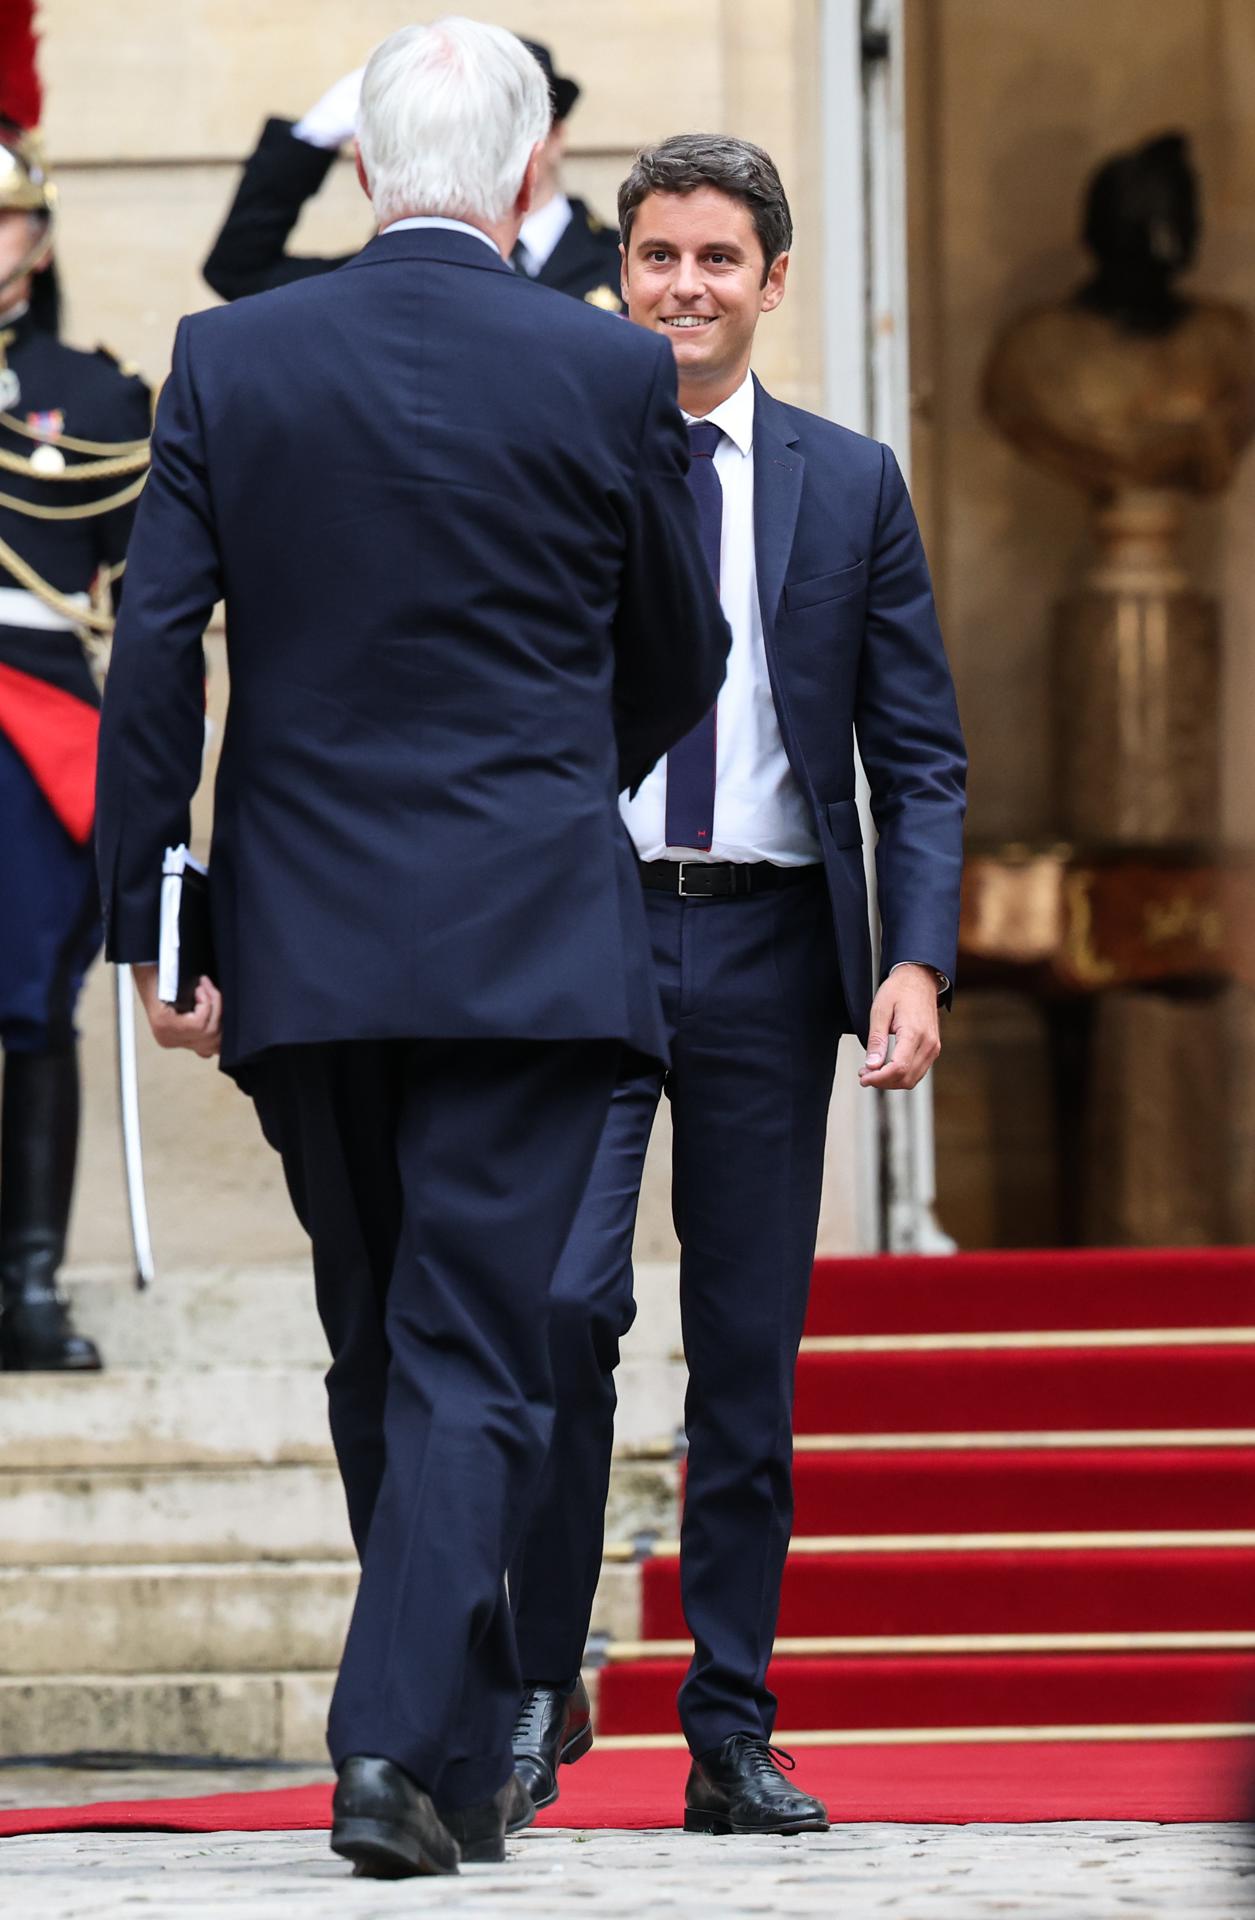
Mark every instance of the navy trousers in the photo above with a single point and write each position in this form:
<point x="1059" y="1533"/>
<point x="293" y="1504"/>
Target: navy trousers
<point x="438" y="1181"/>
<point x="49" y="914"/>
<point x="754" y="1009"/>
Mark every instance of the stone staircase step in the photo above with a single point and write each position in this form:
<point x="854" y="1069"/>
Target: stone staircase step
<point x="644" y="1498"/>
<point x="241" y="1316"/>
<point x="227" y="1416"/>
<point x="195" y="1618"/>
<point x="129" y="1515"/>
<point x="175" y="1569"/>
<point x="194" y="1716"/>
<point x="206" y="1317"/>
<point x="188" y="1716"/>
<point x="132" y="1515"/>
<point x="202" y="1617"/>
<point x="651" y="1399"/>
<point x="223" y="1416"/>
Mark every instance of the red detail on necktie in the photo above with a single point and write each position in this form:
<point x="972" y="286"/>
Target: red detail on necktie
<point x="56" y="734"/>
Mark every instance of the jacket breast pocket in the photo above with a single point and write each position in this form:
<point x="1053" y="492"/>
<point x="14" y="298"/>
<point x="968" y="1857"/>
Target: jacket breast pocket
<point x="843" y="823"/>
<point x="825" y="588"/>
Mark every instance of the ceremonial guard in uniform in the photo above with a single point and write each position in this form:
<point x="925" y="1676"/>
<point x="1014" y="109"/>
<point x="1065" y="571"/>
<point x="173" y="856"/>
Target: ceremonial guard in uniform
<point x="73" y="457"/>
<point x="562" y="244"/>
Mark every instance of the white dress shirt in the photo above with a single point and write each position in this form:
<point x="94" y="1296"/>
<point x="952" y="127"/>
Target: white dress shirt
<point x="418" y="220"/>
<point x="542" y="230"/>
<point x="760" y="811"/>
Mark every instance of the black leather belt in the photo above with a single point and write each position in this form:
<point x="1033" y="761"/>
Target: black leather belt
<point x="720" y="879"/>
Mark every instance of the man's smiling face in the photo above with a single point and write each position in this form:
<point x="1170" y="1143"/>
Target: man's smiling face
<point x="694" y="270"/>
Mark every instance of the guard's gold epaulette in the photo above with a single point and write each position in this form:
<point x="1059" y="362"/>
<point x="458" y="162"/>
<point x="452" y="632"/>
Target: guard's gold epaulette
<point x="129" y="368"/>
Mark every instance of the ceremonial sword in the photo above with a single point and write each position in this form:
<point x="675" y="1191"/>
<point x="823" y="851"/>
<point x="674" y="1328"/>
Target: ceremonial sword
<point x="132" y="1142"/>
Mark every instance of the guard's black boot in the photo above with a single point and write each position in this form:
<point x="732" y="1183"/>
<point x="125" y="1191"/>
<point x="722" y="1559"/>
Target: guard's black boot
<point x="738" y="1788"/>
<point x="38" y="1151"/>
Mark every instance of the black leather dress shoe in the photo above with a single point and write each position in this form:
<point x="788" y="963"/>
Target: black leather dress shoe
<point x="738" y="1788"/>
<point x="385" y="1824"/>
<point x="552" y="1728"/>
<point x="481" y="1831"/>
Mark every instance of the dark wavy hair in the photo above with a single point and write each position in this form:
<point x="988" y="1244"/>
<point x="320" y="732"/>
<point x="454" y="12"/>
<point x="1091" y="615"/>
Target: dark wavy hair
<point x="738" y="168"/>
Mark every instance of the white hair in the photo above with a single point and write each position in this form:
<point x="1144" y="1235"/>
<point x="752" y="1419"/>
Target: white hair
<point x="448" y="119"/>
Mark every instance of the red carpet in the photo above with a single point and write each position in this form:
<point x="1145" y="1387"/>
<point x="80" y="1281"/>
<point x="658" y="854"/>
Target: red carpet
<point x="1039" y="1390"/>
<point x="877" y="1691"/>
<point x="1034" y="1292"/>
<point x="1157" y="1395"/>
<point x="1016" y="1490"/>
<point x="927" y="1472"/>
<point x="1167" y="1780"/>
<point x="1136" y="1590"/>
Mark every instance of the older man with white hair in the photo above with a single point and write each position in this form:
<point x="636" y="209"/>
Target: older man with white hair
<point x="466" y="604"/>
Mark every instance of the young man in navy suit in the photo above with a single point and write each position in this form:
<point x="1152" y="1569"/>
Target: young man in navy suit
<point x="466" y="602"/>
<point x="750" y="852"/>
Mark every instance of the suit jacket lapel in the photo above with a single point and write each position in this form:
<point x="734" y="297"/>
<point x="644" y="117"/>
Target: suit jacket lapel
<point x="778" y="471"/>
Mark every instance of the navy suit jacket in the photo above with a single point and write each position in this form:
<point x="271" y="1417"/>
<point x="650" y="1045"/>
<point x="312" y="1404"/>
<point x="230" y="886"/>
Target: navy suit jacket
<point x="854" y="649"/>
<point x="466" y="602"/>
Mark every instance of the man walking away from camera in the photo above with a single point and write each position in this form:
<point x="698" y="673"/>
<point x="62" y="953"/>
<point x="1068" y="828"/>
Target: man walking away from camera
<point x="466" y="603"/>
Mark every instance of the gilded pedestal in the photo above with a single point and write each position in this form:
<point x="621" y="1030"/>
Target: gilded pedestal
<point x="1137" y="688"/>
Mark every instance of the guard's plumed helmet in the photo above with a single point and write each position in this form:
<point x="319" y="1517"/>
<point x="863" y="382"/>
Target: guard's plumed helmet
<point x="26" y="188"/>
<point x="24" y="183"/>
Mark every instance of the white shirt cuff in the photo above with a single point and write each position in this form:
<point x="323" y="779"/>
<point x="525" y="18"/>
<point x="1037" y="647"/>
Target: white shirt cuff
<point x="942" y="979"/>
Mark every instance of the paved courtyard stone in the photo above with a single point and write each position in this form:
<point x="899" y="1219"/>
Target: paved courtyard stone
<point x="1064" y="1871"/>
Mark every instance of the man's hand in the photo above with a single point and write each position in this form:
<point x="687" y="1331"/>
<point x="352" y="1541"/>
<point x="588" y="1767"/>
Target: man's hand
<point x="905" y="1007"/>
<point x="200" y="1031"/>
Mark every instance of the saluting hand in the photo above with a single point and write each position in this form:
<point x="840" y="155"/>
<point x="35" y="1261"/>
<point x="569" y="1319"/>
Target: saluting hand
<point x="199" y="1031"/>
<point x="906" y="1008"/>
<point x="332" y="120"/>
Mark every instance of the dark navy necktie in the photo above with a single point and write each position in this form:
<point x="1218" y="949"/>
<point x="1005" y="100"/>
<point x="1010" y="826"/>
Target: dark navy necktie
<point x="690" y="818"/>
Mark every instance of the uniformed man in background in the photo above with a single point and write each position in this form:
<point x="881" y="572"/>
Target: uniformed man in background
<point x="562" y="243"/>
<point x="73" y="457"/>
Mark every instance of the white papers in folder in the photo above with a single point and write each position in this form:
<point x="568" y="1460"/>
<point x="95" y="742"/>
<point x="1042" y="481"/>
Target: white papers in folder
<point x="176" y="863"/>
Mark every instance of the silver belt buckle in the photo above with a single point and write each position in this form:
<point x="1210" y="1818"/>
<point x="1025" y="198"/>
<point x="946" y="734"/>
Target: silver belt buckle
<point x="682" y="888"/>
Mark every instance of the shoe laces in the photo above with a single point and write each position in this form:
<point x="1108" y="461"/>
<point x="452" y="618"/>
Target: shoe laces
<point x="765" y="1759"/>
<point x="530" y="1713"/>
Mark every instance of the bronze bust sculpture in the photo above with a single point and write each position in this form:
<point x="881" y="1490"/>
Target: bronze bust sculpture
<point x="1130" y="382"/>
<point x="1141" y="395"/>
